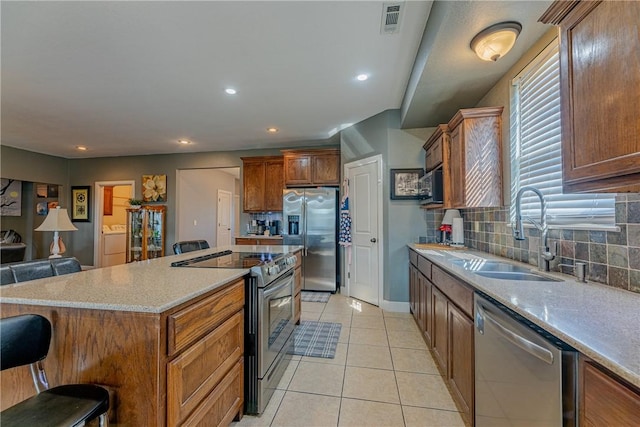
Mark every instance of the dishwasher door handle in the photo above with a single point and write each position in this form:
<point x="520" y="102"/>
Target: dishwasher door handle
<point x="517" y="340"/>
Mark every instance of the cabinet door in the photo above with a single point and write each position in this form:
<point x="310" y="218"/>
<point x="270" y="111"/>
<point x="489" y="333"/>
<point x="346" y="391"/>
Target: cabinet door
<point x="425" y="311"/>
<point x="440" y="329"/>
<point x="413" y="290"/>
<point x="434" y="155"/>
<point x="253" y="179"/>
<point x="326" y="169"/>
<point x="600" y="84"/>
<point x="274" y="184"/>
<point x="457" y="167"/>
<point x="297" y="170"/>
<point x="461" y="358"/>
<point x="604" y="401"/>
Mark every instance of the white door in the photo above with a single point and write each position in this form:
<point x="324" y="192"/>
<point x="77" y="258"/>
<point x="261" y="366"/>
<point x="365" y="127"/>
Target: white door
<point x="365" y="201"/>
<point x="223" y="232"/>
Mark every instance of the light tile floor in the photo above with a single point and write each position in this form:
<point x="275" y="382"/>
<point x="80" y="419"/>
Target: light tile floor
<point x="382" y="375"/>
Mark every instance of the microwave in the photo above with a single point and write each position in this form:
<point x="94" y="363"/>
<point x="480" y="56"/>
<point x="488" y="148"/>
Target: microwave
<point x="430" y="187"/>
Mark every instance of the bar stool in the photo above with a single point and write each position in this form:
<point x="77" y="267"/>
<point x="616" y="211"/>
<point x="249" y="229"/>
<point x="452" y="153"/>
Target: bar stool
<point x="25" y="340"/>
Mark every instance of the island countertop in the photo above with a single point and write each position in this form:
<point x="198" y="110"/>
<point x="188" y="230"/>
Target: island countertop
<point x="150" y="286"/>
<point x="597" y="320"/>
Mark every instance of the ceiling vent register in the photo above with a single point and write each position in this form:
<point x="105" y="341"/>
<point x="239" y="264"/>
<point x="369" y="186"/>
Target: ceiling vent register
<point x="391" y="14"/>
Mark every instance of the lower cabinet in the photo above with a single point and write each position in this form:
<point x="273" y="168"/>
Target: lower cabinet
<point x="442" y="308"/>
<point x="440" y="338"/>
<point x="605" y="401"/>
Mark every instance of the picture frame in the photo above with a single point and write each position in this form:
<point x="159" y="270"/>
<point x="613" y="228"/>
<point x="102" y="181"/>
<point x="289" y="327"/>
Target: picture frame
<point x="81" y="204"/>
<point x="154" y="188"/>
<point x="404" y="183"/>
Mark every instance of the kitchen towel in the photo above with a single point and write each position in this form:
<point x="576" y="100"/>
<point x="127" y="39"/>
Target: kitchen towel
<point x="457" y="232"/>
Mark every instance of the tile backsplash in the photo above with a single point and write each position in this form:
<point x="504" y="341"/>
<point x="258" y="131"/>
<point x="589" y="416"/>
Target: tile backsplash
<point x="612" y="257"/>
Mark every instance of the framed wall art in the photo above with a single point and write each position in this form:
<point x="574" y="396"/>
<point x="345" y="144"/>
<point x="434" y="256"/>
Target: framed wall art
<point x="80" y="204"/>
<point x="10" y="197"/>
<point x="154" y="188"/>
<point x="404" y="183"/>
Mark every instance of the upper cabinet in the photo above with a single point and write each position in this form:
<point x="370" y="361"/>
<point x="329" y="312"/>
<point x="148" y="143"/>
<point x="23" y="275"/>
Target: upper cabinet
<point x="600" y="94"/>
<point x="304" y="168"/>
<point x="263" y="182"/>
<point x="468" y="149"/>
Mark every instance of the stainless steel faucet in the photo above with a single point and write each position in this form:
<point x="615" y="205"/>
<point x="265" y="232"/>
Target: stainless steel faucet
<point x="545" y="255"/>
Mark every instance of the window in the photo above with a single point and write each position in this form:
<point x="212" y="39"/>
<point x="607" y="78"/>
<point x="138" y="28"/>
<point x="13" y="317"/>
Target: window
<point x="536" y="156"/>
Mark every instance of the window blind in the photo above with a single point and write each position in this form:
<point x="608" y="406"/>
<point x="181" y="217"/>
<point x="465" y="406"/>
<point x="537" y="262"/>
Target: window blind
<point x="536" y="155"/>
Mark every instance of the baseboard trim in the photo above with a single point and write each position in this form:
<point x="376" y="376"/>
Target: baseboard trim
<point x="396" y="306"/>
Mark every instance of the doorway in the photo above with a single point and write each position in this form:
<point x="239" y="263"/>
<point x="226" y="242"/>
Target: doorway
<point x="365" y="269"/>
<point x="223" y="235"/>
<point x="110" y="250"/>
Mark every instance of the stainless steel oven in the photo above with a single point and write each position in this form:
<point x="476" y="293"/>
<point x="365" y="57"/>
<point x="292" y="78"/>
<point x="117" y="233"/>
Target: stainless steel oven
<point x="268" y="317"/>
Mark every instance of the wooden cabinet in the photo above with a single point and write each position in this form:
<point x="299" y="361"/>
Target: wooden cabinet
<point x="442" y="307"/>
<point x="297" y="291"/>
<point x="461" y="357"/>
<point x="600" y="94"/>
<point x="263" y="182"/>
<point x="258" y="241"/>
<point x="145" y="232"/>
<point x="183" y="366"/>
<point x="475" y="164"/>
<point x="605" y="401"/>
<point x="311" y="167"/>
<point x="440" y="337"/>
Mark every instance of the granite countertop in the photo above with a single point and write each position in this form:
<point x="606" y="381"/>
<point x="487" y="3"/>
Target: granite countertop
<point x="150" y="286"/>
<point x="597" y="320"/>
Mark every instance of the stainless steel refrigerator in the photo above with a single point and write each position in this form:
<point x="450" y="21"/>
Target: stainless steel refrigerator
<point x="310" y="217"/>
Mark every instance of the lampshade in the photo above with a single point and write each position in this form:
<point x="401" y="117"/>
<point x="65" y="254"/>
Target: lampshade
<point x="449" y="215"/>
<point x="494" y="42"/>
<point x="57" y="220"/>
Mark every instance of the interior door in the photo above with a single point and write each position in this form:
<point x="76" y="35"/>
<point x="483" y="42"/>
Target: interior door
<point x="223" y="232"/>
<point x="363" y="199"/>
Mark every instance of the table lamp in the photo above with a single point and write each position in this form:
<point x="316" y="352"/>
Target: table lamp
<point x="57" y="220"/>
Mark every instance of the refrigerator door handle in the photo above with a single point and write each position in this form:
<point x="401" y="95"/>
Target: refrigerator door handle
<point x="303" y="227"/>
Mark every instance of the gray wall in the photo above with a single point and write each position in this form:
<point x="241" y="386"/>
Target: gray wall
<point x="402" y="219"/>
<point x="198" y="195"/>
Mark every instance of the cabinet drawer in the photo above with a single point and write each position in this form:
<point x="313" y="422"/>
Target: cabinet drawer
<point x="424" y="266"/>
<point x="458" y="292"/>
<point x="224" y="402"/>
<point x="191" y="323"/>
<point x="193" y="374"/>
<point x="298" y="259"/>
<point x="413" y="258"/>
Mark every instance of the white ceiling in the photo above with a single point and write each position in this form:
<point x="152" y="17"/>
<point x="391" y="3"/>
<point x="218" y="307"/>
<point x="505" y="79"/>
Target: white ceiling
<point x="131" y="78"/>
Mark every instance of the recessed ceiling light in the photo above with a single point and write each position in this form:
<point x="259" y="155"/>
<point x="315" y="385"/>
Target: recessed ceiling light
<point x="362" y="77"/>
<point x="272" y="130"/>
<point x="184" y="141"/>
<point x="81" y="148"/>
<point x="230" y="91"/>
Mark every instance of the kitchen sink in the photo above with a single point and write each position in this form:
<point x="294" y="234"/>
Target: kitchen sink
<point x="502" y="270"/>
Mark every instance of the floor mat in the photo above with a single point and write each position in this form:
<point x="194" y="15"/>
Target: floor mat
<point x="308" y="296"/>
<point x="316" y="339"/>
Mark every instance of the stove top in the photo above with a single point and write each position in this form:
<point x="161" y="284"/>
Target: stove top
<point x="228" y="259"/>
<point x="266" y="266"/>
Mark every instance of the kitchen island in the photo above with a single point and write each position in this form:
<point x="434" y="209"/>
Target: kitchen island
<point x="166" y="342"/>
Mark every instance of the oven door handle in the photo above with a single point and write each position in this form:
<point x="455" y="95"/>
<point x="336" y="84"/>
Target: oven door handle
<point x="271" y="290"/>
<point x="530" y="347"/>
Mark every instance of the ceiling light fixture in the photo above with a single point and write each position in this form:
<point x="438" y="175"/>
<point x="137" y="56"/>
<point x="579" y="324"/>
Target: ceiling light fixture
<point x="362" y="77"/>
<point x="272" y="130"/>
<point x="230" y="91"/>
<point x="494" y="42"/>
<point x="184" y="141"/>
<point x="81" y="148"/>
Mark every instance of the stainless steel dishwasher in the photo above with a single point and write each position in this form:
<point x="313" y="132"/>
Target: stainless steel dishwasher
<point x="524" y="376"/>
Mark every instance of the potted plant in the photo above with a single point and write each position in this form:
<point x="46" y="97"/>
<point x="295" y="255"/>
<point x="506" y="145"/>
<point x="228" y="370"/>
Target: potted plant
<point x="135" y="203"/>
